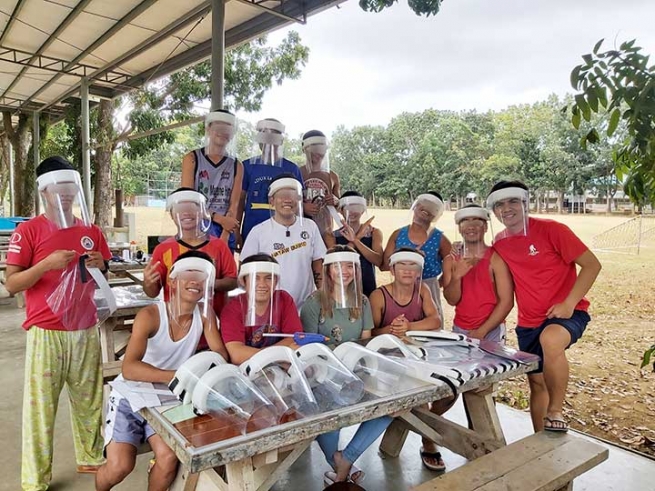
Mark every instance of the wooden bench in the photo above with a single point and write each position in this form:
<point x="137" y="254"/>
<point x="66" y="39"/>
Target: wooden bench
<point x="546" y="461"/>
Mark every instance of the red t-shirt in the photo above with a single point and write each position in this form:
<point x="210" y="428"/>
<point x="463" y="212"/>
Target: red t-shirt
<point x="169" y="250"/>
<point x="543" y="268"/>
<point x="478" y="298"/>
<point x="35" y="240"/>
<point x="285" y="320"/>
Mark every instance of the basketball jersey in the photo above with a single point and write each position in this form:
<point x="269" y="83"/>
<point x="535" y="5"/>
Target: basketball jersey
<point x="215" y="181"/>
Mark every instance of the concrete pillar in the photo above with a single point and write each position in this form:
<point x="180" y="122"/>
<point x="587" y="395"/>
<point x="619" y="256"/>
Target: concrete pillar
<point x="218" y="53"/>
<point x="86" y="146"/>
<point x="36" y="144"/>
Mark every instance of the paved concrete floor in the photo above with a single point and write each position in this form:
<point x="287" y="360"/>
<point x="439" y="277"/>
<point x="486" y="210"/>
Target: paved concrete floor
<point x="623" y="471"/>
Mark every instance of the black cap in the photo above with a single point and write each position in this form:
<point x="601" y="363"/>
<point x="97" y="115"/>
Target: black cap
<point x="52" y="164"/>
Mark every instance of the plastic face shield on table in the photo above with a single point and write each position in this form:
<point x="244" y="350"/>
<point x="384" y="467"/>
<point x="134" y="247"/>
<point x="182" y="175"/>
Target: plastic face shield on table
<point x="191" y="371"/>
<point x="285" y="198"/>
<point x="260" y="280"/>
<point x="510" y="207"/>
<point x="220" y="134"/>
<point x="353" y="209"/>
<point x="317" y="155"/>
<point x="188" y="209"/>
<point x="342" y="279"/>
<point x="269" y="143"/>
<point x="191" y="285"/>
<point x="407" y="269"/>
<point x="426" y="210"/>
<point x="229" y="396"/>
<point x="76" y="302"/>
<point x="334" y="386"/>
<point x="472" y="224"/>
<point x="278" y="374"/>
<point x="63" y="198"/>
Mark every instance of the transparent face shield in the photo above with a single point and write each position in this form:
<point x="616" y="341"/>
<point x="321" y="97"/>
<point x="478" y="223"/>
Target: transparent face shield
<point x="473" y="225"/>
<point x="279" y="375"/>
<point x="63" y="198"/>
<point x="342" y="279"/>
<point x="220" y="135"/>
<point x="354" y="211"/>
<point x="510" y="207"/>
<point x="426" y="210"/>
<point x="260" y="304"/>
<point x="191" y="286"/>
<point x="317" y="155"/>
<point x="188" y="209"/>
<point x="285" y="198"/>
<point x="334" y="386"/>
<point x="407" y="270"/>
<point x="229" y="396"/>
<point x="269" y="143"/>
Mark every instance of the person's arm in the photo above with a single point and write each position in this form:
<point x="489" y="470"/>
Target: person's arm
<point x="317" y="271"/>
<point x="239" y="352"/>
<point x="235" y="200"/>
<point x="454" y="269"/>
<point x="152" y="277"/>
<point x="189" y="171"/>
<point x="445" y="246"/>
<point x="309" y="315"/>
<point x="225" y="284"/>
<point x="505" y="297"/>
<point x="213" y="336"/>
<point x="388" y="251"/>
<point x="589" y="269"/>
<point x="145" y="326"/>
<point x="367" y="318"/>
<point x="328" y="238"/>
<point x="431" y="320"/>
<point x="20" y="278"/>
<point x="377" y="309"/>
<point x="373" y="254"/>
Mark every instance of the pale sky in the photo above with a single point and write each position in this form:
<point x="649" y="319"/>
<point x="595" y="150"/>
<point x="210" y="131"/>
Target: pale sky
<point x="366" y="68"/>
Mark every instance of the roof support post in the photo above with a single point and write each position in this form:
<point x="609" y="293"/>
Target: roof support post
<point x="218" y="53"/>
<point x="36" y="144"/>
<point x="86" y="146"/>
<point x="12" y="193"/>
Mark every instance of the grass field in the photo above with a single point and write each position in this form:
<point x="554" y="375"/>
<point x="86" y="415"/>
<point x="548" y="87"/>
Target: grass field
<point x="609" y="396"/>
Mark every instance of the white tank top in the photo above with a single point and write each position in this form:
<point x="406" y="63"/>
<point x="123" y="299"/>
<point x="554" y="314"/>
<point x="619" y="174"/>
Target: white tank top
<point x="164" y="353"/>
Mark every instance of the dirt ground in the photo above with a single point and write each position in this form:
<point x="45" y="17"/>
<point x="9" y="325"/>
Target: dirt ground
<point x="608" y="395"/>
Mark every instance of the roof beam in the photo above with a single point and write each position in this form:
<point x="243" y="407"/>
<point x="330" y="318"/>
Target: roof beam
<point x="108" y="34"/>
<point x="282" y="15"/>
<point x="12" y="19"/>
<point x="79" y="8"/>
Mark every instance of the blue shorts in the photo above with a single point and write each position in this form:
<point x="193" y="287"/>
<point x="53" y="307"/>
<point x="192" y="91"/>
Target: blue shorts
<point x="529" y="336"/>
<point x="124" y="425"/>
<point x="216" y="230"/>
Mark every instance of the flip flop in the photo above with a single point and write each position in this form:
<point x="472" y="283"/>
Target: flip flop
<point x="432" y="455"/>
<point x="88" y="469"/>
<point x="549" y="425"/>
<point x="354" y="470"/>
<point x="329" y="478"/>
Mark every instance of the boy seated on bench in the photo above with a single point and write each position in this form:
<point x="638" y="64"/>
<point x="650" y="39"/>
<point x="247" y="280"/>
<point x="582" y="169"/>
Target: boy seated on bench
<point x="164" y="336"/>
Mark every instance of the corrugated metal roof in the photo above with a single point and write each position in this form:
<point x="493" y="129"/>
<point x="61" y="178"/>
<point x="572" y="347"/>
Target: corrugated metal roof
<point x="46" y="46"/>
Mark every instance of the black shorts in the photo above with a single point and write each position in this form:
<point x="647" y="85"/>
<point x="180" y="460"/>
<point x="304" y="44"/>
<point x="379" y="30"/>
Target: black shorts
<point x="529" y="336"/>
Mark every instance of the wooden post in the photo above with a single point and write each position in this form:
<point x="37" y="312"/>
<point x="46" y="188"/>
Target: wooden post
<point x="394" y="438"/>
<point x="118" y="221"/>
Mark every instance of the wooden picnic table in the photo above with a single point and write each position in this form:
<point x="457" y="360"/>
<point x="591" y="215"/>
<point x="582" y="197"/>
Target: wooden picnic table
<point x="255" y="461"/>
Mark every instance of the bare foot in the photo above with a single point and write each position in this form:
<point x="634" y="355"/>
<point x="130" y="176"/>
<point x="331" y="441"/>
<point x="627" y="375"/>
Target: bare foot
<point x="342" y="467"/>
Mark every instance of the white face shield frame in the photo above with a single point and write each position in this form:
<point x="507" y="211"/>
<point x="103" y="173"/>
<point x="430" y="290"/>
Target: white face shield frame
<point x="191" y="284"/>
<point x="188" y="209"/>
<point x="342" y="279"/>
<point x="285" y="198"/>
<point x="510" y="206"/>
<point x="269" y="143"/>
<point x="260" y="280"/>
<point x="426" y="210"/>
<point x="317" y="153"/>
<point x="472" y="225"/>
<point x="62" y="197"/>
<point x="220" y="134"/>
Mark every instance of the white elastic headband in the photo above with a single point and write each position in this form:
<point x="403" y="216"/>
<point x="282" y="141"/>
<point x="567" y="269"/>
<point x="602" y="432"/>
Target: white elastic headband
<point x="57" y="176"/>
<point x="267" y="124"/>
<point x="472" y="212"/>
<point x="220" y="116"/>
<point x="259" y="267"/>
<point x="285" y="183"/>
<point x="506" y="193"/>
<point x="186" y="195"/>
<point x="341" y="257"/>
<point x="352" y="200"/>
<point x="192" y="264"/>
<point x="400" y="256"/>
<point x="431" y="198"/>
<point x="314" y="140"/>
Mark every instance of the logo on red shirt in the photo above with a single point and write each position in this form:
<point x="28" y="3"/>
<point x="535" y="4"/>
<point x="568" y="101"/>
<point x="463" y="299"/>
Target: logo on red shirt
<point x="87" y="242"/>
<point x="533" y="250"/>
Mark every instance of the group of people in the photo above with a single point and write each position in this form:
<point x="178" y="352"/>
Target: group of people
<point x="297" y="272"/>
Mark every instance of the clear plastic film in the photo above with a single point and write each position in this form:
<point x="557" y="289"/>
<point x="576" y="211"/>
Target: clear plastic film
<point x="229" y="396"/>
<point x="354" y="211"/>
<point x="191" y="371"/>
<point x="220" y="135"/>
<point x="191" y="286"/>
<point x="473" y="225"/>
<point x="63" y="198"/>
<point x="269" y="143"/>
<point x="407" y="270"/>
<point x="286" y="199"/>
<point x="260" y="304"/>
<point x="510" y="207"/>
<point x="334" y="386"/>
<point x="189" y="212"/>
<point x="76" y="302"/>
<point x="426" y="209"/>
<point x="317" y="154"/>
<point x="342" y="279"/>
<point x="278" y="374"/>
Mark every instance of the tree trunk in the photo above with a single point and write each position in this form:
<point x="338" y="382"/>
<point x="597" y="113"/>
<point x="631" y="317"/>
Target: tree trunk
<point x="24" y="179"/>
<point x="537" y="196"/>
<point x="4" y="169"/>
<point x="560" y="202"/>
<point x="103" y="192"/>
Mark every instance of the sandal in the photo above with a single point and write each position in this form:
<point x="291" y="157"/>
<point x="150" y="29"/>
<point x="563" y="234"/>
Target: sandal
<point x="361" y="475"/>
<point x="440" y="467"/>
<point x="555" y="425"/>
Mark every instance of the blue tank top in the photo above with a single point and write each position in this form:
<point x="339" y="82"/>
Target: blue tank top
<point x="368" y="270"/>
<point x="432" y="267"/>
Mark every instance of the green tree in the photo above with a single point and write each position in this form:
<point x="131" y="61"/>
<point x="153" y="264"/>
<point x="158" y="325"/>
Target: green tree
<point x="420" y="7"/>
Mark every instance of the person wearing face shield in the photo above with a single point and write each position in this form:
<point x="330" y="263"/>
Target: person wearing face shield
<point x="295" y="243"/>
<point x="214" y="171"/>
<point x="264" y="308"/>
<point x="542" y="256"/>
<point x="321" y="184"/>
<point x="260" y="170"/>
<point x="164" y="336"/>
<point x="358" y="233"/>
<point x="476" y="280"/>
<point x="404" y="305"/>
<point x="41" y="250"/>
<point x="188" y="209"/>
<point x="422" y="235"/>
